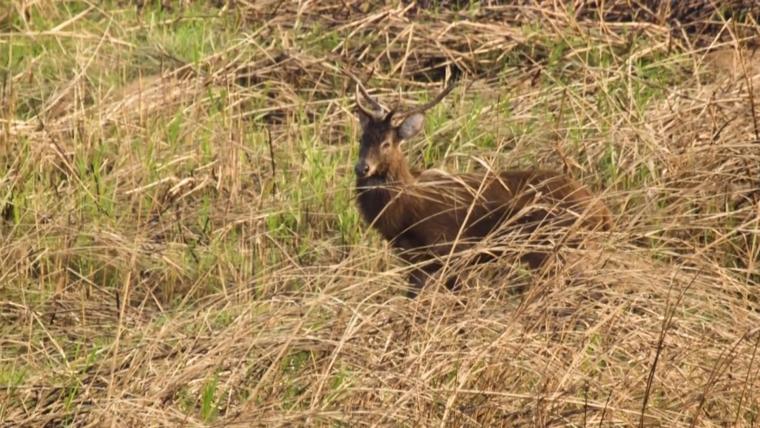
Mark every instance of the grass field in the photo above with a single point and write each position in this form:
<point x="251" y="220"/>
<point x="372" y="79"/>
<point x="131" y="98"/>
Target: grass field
<point x="179" y="244"/>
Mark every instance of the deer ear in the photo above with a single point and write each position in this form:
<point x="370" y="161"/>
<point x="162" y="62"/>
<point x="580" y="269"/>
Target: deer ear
<point x="364" y="118"/>
<point x="411" y="126"/>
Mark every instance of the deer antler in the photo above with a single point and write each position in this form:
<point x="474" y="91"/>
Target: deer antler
<point x="377" y="111"/>
<point x="434" y="101"/>
<point x="375" y="104"/>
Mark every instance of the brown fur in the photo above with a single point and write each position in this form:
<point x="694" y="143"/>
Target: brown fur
<point x="423" y="214"/>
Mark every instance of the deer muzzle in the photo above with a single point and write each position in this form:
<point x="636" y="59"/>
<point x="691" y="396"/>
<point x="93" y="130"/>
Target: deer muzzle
<point x="361" y="169"/>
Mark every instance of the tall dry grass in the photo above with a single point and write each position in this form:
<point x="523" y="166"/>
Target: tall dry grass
<point x="179" y="244"/>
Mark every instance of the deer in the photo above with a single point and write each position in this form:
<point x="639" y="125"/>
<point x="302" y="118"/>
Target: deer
<point x="429" y="215"/>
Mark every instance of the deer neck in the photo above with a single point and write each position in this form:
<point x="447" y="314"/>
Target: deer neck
<point x="399" y="174"/>
<point x="383" y="205"/>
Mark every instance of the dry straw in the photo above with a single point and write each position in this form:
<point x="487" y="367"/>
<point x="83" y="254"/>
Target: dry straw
<point x="226" y="289"/>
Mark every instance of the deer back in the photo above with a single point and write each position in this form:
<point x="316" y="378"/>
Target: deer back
<point x="441" y="209"/>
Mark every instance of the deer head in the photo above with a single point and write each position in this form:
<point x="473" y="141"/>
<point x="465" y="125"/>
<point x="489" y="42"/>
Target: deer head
<point x="380" y="142"/>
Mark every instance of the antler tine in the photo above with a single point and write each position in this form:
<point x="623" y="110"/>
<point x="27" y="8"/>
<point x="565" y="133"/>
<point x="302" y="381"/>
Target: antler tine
<point x="434" y="101"/>
<point x="377" y="109"/>
<point x="371" y="100"/>
<point x="369" y="112"/>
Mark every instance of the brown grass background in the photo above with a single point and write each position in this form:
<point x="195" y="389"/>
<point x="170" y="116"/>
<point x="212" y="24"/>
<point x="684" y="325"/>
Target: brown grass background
<point x="179" y="245"/>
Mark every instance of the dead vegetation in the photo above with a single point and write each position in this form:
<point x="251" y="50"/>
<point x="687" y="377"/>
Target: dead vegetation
<point x="179" y="243"/>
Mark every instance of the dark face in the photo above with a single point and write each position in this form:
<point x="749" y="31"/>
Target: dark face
<point x="380" y="143"/>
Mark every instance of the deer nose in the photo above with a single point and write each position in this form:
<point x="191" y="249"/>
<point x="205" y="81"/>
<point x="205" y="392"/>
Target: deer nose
<point x="361" y="169"/>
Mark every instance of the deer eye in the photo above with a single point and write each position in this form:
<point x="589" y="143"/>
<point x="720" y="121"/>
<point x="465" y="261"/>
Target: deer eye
<point x="385" y="145"/>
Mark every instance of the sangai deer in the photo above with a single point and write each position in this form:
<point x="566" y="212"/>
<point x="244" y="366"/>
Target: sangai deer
<point x="430" y="215"/>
